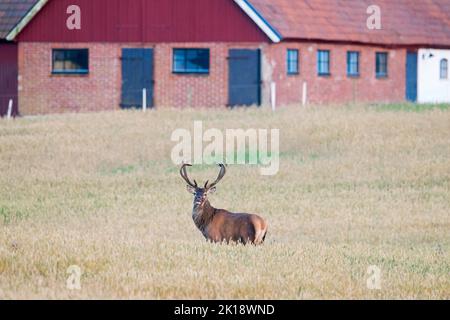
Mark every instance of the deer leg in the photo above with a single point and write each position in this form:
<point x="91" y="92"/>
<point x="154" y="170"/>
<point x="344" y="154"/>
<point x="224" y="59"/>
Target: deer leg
<point x="260" y="232"/>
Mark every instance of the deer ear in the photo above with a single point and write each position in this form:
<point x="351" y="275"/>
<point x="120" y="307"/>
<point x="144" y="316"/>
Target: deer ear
<point x="212" y="190"/>
<point x="190" y="189"/>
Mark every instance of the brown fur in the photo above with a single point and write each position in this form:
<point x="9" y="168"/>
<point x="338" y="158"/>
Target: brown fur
<point x="218" y="225"/>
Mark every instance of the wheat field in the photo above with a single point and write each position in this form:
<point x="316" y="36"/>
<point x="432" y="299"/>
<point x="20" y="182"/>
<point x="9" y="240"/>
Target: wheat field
<point x="358" y="186"/>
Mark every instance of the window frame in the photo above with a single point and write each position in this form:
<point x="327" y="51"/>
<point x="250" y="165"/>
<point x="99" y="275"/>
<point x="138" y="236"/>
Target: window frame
<point x="186" y="70"/>
<point x="352" y="63"/>
<point x="442" y="75"/>
<point x="320" y="63"/>
<point x="290" y="61"/>
<point x="378" y="73"/>
<point x="65" y="51"/>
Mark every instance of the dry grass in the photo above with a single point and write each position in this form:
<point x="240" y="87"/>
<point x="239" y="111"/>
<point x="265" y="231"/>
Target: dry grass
<point x="357" y="186"/>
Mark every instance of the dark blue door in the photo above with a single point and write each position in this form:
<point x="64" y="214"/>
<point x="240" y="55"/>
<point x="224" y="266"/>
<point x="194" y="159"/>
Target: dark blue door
<point x="244" y="77"/>
<point x="411" y="76"/>
<point x="8" y="78"/>
<point x="137" y="74"/>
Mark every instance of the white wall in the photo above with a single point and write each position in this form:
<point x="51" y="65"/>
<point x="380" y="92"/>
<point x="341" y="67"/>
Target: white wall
<point x="430" y="88"/>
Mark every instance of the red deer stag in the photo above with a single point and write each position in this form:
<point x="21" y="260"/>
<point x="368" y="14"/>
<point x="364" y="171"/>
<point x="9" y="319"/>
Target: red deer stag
<point x="218" y="225"/>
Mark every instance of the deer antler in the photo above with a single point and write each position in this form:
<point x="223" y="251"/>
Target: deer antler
<point x="221" y="174"/>
<point x="184" y="175"/>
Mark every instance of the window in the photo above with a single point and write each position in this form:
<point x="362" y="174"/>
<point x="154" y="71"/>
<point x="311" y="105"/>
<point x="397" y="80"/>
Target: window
<point x="444" y="69"/>
<point x="353" y="64"/>
<point x="292" y="61"/>
<point x="191" y="60"/>
<point x="70" y="61"/>
<point x="323" y="62"/>
<point x="381" y="64"/>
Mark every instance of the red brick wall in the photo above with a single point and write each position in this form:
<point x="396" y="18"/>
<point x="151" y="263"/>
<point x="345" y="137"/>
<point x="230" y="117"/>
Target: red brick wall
<point x="188" y="90"/>
<point x="337" y="88"/>
<point x="41" y="92"/>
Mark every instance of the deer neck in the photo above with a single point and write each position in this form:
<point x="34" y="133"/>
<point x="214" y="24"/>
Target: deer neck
<point x="203" y="215"/>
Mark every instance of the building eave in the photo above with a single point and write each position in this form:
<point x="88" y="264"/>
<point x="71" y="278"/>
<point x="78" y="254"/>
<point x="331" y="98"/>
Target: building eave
<point x="257" y="18"/>
<point x="26" y="20"/>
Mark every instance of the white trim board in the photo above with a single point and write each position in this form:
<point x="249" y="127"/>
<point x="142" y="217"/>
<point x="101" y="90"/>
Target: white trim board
<point x="25" y="20"/>
<point x="259" y="20"/>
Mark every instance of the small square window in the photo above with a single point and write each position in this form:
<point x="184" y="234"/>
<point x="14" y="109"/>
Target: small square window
<point x="191" y="61"/>
<point x="292" y="61"/>
<point x="353" y="64"/>
<point x="70" y="61"/>
<point x="323" y="62"/>
<point x="381" y="64"/>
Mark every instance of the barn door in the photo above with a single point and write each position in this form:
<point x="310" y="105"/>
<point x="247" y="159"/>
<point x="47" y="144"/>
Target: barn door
<point x="137" y="74"/>
<point x="8" y="78"/>
<point x="411" y="76"/>
<point x="244" y="77"/>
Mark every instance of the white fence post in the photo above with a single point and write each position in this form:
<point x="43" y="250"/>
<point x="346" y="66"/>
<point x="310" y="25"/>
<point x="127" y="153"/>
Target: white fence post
<point x="305" y="94"/>
<point x="144" y="99"/>
<point x="273" y="95"/>
<point x="10" y="106"/>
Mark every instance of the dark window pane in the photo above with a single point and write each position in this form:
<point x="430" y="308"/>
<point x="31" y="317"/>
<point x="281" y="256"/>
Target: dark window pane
<point x="70" y="60"/>
<point x="323" y="62"/>
<point x="191" y="60"/>
<point x="179" y="65"/>
<point x="58" y="65"/>
<point x="179" y="60"/>
<point x="58" y="55"/>
<point x="353" y="63"/>
<point x="381" y="64"/>
<point x="198" y="60"/>
<point x="292" y="61"/>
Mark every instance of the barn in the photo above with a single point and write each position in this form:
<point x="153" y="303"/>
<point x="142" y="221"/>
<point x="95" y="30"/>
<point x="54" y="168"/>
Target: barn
<point x="93" y="55"/>
<point x="11" y="12"/>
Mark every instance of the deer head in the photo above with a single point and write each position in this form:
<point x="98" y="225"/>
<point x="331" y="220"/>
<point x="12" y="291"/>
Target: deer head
<point x="201" y="194"/>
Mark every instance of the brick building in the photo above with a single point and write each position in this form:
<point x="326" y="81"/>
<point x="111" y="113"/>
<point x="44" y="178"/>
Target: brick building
<point x="90" y="55"/>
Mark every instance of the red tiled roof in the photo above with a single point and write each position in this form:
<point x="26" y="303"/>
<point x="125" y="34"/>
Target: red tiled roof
<point x="404" y="22"/>
<point x="11" y="12"/>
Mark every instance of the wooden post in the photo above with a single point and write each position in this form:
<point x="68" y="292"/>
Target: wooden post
<point x="305" y="94"/>
<point x="144" y="100"/>
<point x="10" y="106"/>
<point x="273" y="95"/>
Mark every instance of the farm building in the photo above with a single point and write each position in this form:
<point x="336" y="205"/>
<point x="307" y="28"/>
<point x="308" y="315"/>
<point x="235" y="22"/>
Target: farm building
<point x="91" y="55"/>
<point x="11" y="12"/>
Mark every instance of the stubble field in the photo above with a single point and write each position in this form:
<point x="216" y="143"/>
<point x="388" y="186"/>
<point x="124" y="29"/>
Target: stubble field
<point x="358" y="186"/>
